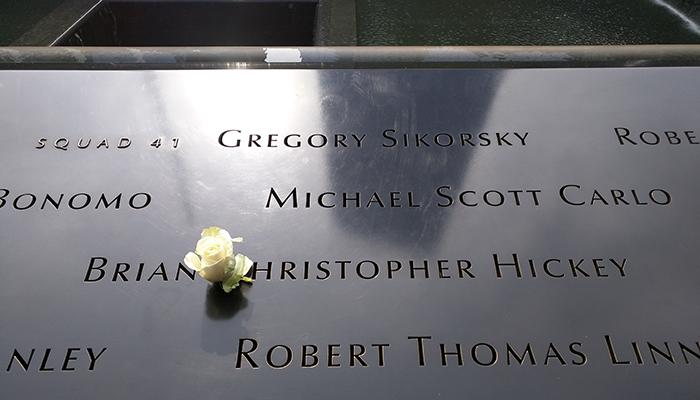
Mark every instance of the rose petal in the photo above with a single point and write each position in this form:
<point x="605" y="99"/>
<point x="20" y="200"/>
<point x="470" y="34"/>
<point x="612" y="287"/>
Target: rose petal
<point x="211" y="231"/>
<point x="192" y="261"/>
<point x="205" y="242"/>
<point x="214" y="273"/>
<point x="237" y="240"/>
<point x="223" y="233"/>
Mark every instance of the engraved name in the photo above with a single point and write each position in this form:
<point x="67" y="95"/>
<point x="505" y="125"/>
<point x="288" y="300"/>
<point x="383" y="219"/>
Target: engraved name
<point x="446" y="196"/>
<point x="626" y="136"/>
<point x="54" y="360"/>
<point x="279" y="356"/>
<point x="252" y="353"/>
<point x="73" y="201"/>
<point x="501" y="266"/>
<point x="389" y="138"/>
<point x="506" y="266"/>
<point x="98" y="269"/>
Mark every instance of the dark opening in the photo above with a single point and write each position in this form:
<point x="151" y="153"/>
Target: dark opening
<point x="211" y="23"/>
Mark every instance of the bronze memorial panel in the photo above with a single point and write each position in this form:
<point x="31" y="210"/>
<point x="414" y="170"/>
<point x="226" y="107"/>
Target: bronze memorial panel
<point x="416" y="234"/>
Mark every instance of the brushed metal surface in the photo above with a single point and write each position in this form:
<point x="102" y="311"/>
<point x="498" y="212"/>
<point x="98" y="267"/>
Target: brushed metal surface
<point x="179" y="338"/>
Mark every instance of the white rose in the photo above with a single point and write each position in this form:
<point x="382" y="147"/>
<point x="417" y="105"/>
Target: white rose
<point x="215" y="261"/>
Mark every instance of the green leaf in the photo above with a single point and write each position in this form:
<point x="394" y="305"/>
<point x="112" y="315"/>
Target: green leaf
<point x="231" y="283"/>
<point x="243" y="263"/>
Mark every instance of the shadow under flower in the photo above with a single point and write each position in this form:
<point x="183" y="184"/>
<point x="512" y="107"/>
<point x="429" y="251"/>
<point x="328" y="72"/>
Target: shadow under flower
<point x="221" y="305"/>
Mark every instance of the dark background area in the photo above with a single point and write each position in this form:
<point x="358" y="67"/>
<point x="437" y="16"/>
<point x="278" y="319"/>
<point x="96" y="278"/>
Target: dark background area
<point x="135" y="23"/>
<point x="390" y="22"/>
<point x="522" y="22"/>
<point x="18" y="16"/>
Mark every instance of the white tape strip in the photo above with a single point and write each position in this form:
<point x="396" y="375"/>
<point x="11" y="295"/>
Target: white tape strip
<point x="279" y="55"/>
